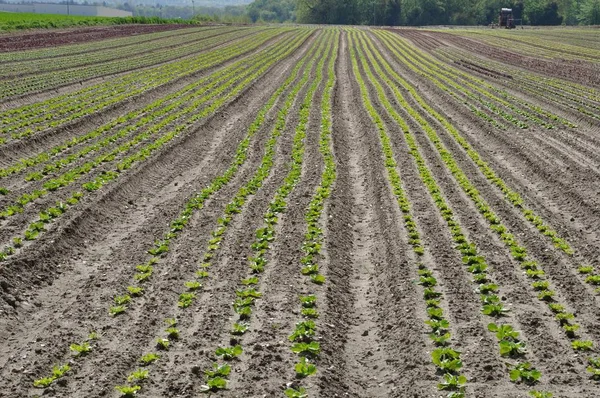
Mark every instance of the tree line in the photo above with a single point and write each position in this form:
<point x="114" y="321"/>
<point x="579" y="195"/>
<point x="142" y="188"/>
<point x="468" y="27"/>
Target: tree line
<point x="425" y="12"/>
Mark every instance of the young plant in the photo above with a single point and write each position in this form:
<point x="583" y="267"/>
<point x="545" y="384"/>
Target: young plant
<point x="147" y="359"/>
<point x="452" y="382"/>
<point x="214" y="384"/>
<point x="300" y="392"/>
<point x="582" y="345"/>
<point x="162" y="343"/>
<point x="239" y="329"/>
<point x="446" y="359"/>
<point x="305" y="368"/>
<point x="128" y="391"/>
<point x="228" y="353"/>
<point x="80" y="349"/>
<point x="311" y="349"/>
<point x="218" y="371"/>
<point x="116" y="310"/>
<point x="524" y="372"/>
<point x="137" y="376"/>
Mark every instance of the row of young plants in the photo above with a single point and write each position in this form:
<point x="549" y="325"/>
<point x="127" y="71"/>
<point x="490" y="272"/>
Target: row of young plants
<point x="145" y="271"/>
<point x="446" y="359"/>
<point x="96" y="58"/>
<point x="511" y="346"/>
<point x="532" y="269"/>
<point x="452" y="81"/>
<point x="567" y="94"/>
<point x="174" y="113"/>
<point x="217" y="374"/>
<point x="49" y="215"/>
<point x="303" y="339"/>
<point x="34" y="83"/>
<point x="590" y="274"/>
<point x="92" y="46"/>
<point x="218" y="82"/>
<point x="27" y="120"/>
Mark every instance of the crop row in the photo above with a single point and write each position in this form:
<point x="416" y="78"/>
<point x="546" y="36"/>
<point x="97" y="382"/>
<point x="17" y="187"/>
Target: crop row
<point x="145" y="271"/>
<point x="192" y="115"/>
<point x="304" y="343"/>
<point x="173" y="113"/>
<point x="27" y="120"/>
<point x="452" y="80"/>
<point x="49" y="80"/>
<point x="51" y="153"/>
<point x="72" y="49"/>
<point x="247" y="294"/>
<point x="97" y="58"/>
<point x="476" y="264"/>
<point x="445" y="358"/>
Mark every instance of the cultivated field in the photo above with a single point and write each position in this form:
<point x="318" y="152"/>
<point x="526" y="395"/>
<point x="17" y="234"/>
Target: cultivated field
<point x="300" y="211"/>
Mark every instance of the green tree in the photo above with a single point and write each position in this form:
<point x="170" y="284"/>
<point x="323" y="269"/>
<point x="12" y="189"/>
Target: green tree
<point x="590" y="12"/>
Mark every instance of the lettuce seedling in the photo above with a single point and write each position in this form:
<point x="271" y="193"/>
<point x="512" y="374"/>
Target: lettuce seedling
<point x="524" y="372"/>
<point x="80" y="349"/>
<point x="186" y="299"/>
<point x="162" y="343"/>
<point x="116" y="310"/>
<point x="585" y="269"/>
<point x="452" y="382"/>
<point x="438" y="326"/>
<point x="172" y="332"/>
<point x="305" y="368"/>
<point x="296" y="393"/>
<point x="310" y="312"/>
<point x="149" y="358"/>
<point x="135" y="290"/>
<point x="311" y="349"/>
<point x="582" y="345"/>
<point x="504" y="332"/>
<point x="128" y="391"/>
<point x="239" y="329"/>
<point x="228" y="353"/>
<point x="319" y="279"/>
<point x="494" y="310"/>
<point x="193" y="285"/>
<point x="137" y="376"/>
<point x="214" y="384"/>
<point x="446" y="359"/>
<point x="510" y="348"/>
<point x="540" y="394"/>
<point x="218" y="371"/>
<point x="440" y="340"/>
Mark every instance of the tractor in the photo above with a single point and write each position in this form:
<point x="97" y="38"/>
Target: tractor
<point x="506" y="19"/>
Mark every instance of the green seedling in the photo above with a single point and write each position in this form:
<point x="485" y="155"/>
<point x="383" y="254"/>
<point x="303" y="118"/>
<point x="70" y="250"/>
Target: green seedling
<point x="93" y="336"/>
<point x="186" y="299"/>
<point x="310" y="312"/>
<point x="135" y="290"/>
<point x="510" y="348"/>
<point x="173" y="333"/>
<point x="307" y="349"/>
<point x="540" y="394"/>
<point x="228" y="353"/>
<point x="17" y="242"/>
<point x="453" y="382"/>
<point x="585" y="269"/>
<point x="438" y="326"/>
<point x="319" y="279"/>
<point x="308" y="301"/>
<point x="116" y="310"/>
<point x="193" y="285"/>
<point x="250" y="281"/>
<point x="137" y="376"/>
<point x="305" y="368"/>
<point x="202" y="274"/>
<point x="504" y="332"/>
<point x="149" y="358"/>
<point x="446" y="359"/>
<point x="239" y="329"/>
<point x="128" y="391"/>
<point x="582" y="345"/>
<point x="304" y="331"/>
<point x="495" y="310"/>
<point x="440" y="340"/>
<point x="80" y="349"/>
<point x="524" y="372"/>
<point x="162" y="343"/>
<point x="122" y="300"/>
<point x="214" y="384"/>
<point x="218" y="371"/>
<point x="570" y="330"/>
<point x="541" y="285"/>
<point x="296" y="393"/>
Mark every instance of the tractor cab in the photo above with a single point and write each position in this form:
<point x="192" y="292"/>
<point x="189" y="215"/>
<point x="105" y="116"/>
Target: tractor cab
<point x="506" y="19"/>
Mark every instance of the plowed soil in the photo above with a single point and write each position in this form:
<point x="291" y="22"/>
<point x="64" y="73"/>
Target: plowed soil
<point x="374" y="342"/>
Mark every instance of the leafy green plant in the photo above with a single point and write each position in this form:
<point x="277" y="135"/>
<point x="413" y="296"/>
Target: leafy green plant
<point x="147" y="359"/>
<point x="58" y="371"/>
<point x="305" y="368"/>
<point x="122" y="300"/>
<point x="214" y="384"/>
<point x="172" y="332"/>
<point x="494" y="310"/>
<point x="128" y="391"/>
<point x="540" y="394"/>
<point x="193" y="285"/>
<point x="504" y="332"/>
<point x="300" y="392"/>
<point x="239" y="329"/>
<point x="218" y="371"/>
<point x="135" y="291"/>
<point x="585" y="269"/>
<point x="453" y="382"/>
<point x="81" y="349"/>
<point x="307" y="349"/>
<point x="446" y="359"/>
<point x="116" y="310"/>
<point x="186" y="299"/>
<point x="162" y="343"/>
<point x="137" y="376"/>
<point x="524" y="372"/>
<point x="582" y="345"/>
<point x="228" y="353"/>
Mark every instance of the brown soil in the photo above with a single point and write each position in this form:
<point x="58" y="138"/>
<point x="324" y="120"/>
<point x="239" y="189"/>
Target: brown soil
<point x="372" y="332"/>
<point x="24" y="41"/>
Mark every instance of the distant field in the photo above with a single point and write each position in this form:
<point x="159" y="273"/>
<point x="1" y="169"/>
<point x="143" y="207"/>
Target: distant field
<point x="17" y="21"/>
